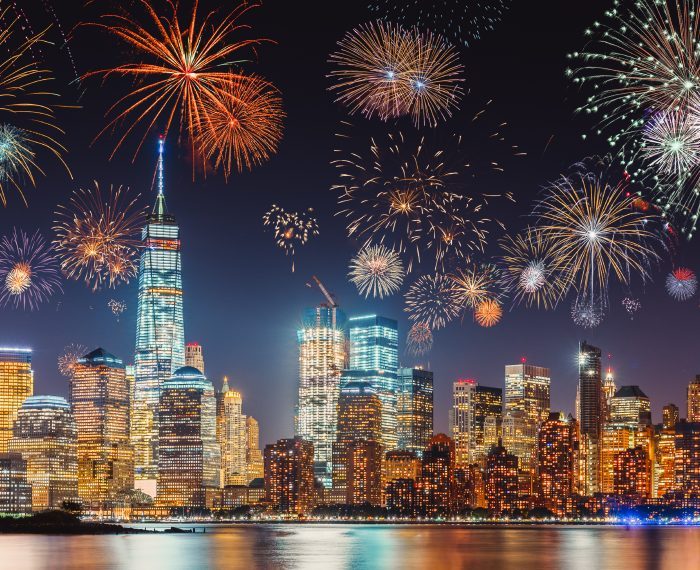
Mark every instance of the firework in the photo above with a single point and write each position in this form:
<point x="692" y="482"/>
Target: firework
<point x="474" y="285"/>
<point x="376" y="270"/>
<point x="631" y="305"/>
<point x="117" y="307"/>
<point x="242" y="125"/>
<point x="291" y="228"/>
<point x="432" y="300"/>
<point x="681" y="283"/>
<point x="419" y="340"/>
<point x="417" y="198"/>
<point x="672" y="142"/>
<point x="388" y="71"/>
<point x="98" y="235"/>
<point x="587" y="314"/>
<point x="29" y="271"/>
<point x="69" y="358"/>
<point x="27" y="112"/>
<point x="531" y="270"/>
<point x="488" y="313"/>
<point x="460" y="20"/>
<point x="178" y="69"/>
<point x="595" y="233"/>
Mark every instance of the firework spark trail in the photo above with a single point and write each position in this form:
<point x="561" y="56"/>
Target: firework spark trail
<point x="460" y="20"/>
<point x="29" y="270"/>
<point x="69" y="358"/>
<point x="291" y="228"/>
<point x="99" y="235"/>
<point x="475" y="284"/>
<point x="432" y="300"/>
<point x="377" y="271"/>
<point x="385" y="70"/>
<point x="183" y="68"/>
<point x="419" y="340"/>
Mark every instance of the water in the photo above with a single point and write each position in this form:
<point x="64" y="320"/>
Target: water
<point x="327" y="547"/>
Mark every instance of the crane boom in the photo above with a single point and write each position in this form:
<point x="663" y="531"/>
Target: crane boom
<point x="326" y="294"/>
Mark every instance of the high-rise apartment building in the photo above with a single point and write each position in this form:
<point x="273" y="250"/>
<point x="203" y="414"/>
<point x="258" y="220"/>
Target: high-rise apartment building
<point x="501" y="480"/>
<point x="664" y="480"/>
<point x="255" y="466"/>
<point x="289" y="476"/>
<point x="437" y="481"/>
<point x="322" y="358"/>
<point x="694" y="400"/>
<point x="194" y="356"/>
<point x="591" y="415"/>
<point x="16" y="385"/>
<point x="633" y="473"/>
<point x="476" y="413"/>
<point x="557" y="457"/>
<point x="414" y="409"/>
<point x="189" y="458"/>
<point x="160" y="336"/>
<point x="687" y="459"/>
<point x="234" y="440"/>
<point x="15" y="490"/>
<point x="374" y="358"/>
<point x="45" y="435"/>
<point x="99" y="398"/>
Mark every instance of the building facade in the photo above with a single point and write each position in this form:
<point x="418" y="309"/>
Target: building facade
<point x="694" y="400"/>
<point x="194" y="356"/>
<point x="501" y="480"/>
<point x="591" y="415"/>
<point x="234" y="440"/>
<point x="289" y="476"/>
<point x="414" y="421"/>
<point x="16" y="385"/>
<point x="255" y="466"/>
<point x="15" y="490"/>
<point x="437" y="481"/>
<point x="557" y="457"/>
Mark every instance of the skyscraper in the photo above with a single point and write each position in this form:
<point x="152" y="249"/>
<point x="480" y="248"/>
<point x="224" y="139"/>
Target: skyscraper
<point x="557" y="461"/>
<point x="189" y="459"/>
<point x="289" y="476"/>
<point x="99" y="397"/>
<point x="633" y="473"/>
<point x="15" y="490"/>
<point x="590" y="415"/>
<point x="358" y="451"/>
<point x="687" y="460"/>
<point x="194" y="356"/>
<point x="255" y="466"/>
<point x="630" y="406"/>
<point x="475" y="410"/>
<point x="46" y="436"/>
<point x="461" y="418"/>
<point x="527" y="390"/>
<point x="234" y="440"/>
<point x="414" y="409"/>
<point x="16" y="385"/>
<point x="694" y="400"/>
<point x="322" y="358"/>
<point x="160" y="337"/>
<point x="374" y="358"/>
<point x="437" y="482"/>
<point x="501" y="480"/>
<point x="487" y="419"/>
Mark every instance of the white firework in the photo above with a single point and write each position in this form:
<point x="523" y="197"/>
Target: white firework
<point x="533" y="276"/>
<point x="671" y="142"/>
<point x="681" y="283"/>
<point x="376" y="270"/>
<point x="587" y="314"/>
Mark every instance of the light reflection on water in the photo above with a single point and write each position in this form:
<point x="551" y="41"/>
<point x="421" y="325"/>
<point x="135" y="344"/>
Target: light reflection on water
<point x="327" y="547"/>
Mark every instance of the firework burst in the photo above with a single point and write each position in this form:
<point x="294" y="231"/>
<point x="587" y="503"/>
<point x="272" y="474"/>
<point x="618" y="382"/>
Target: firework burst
<point x="672" y="142"/>
<point x="178" y="69"/>
<point x="117" y="307"/>
<point x="417" y="198"/>
<point x="388" y="71"/>
<point x="432" y="300"/>
<point x="69" y="358"/>
<point x="29" y="271"/>
<point x="587" y="314"/>
<point x="242" y="126"/>
<point x="419" y="340"/>
<point x="376" y="271"/>
<point x="291" y="229"/>
<point x="595" y="233"/>
<point x="475" y="284"/>
<point x="28" y="123"/>
<point x="631" y="305"/>
<point x="681" y="283"/>
<point x="462" y="21"/>
<point x="488" y="313"/>
<point x="531" y="270"/>
<point x="98" y="235"/>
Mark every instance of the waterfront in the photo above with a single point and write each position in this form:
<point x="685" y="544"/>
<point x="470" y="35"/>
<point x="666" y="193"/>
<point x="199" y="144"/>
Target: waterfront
<point x="357" y="547"/>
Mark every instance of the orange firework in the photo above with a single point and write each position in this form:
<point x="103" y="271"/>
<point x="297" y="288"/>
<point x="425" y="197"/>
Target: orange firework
<point x="242" y="126"/>
<point x="182" y="71"/>
<point x="488" y="313"/>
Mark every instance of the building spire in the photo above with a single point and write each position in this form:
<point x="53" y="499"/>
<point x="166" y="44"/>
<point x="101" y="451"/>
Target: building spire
<point x="159" y="208"/>
<point x="224" y="387"/>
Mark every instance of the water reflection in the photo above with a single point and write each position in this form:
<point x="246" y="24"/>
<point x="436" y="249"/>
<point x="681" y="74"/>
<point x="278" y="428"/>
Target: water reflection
<point x="358" y="547"/>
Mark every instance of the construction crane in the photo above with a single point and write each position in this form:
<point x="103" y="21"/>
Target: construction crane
<point x="329" y="297"/>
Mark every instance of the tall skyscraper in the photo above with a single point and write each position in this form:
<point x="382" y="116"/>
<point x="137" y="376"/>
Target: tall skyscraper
<point x="99" y="397"/>
<point x="475" y="409"/>
<point x="487" y="419"/>
<point x="630" y="406"/>
<point x="234" y="440"/>
<point x="160" y="336"/>
<point x="664" y="480"/>
<point x="289" y="476"/>
<point x="414" y="409"/>
<point x="609" y="389"/>
<point x="694" y="400"/>
<point x="527" y="390"/>
<point x="437" y="482"/>
<point x="374" y="358"/>
<point x="591" y="414"/>
<point x="358" y="451"/>
<point x="189" y="459"/>
<point x="557" y="461"/>
<point x="461" y="418"/>
<point x="45" y="435"/>
<point x="16" y="385"/>
<point x="322" y="358"/>
<point x="255" y="466"/>
<point x="687" y="460"/>
<point x="194" y="356"/>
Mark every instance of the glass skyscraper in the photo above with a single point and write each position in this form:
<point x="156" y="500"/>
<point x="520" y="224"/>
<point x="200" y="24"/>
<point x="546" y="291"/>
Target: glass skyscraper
<point x="414" y="409"/>
<point x="322" y="357"/>
<point x="16" y="385"/>
<point x="374" y="358"/>
<point x="160" y="342"/>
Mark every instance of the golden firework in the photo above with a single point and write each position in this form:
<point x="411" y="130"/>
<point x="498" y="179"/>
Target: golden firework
<point x="488" y="313"/>
<point x="19" y="279"/>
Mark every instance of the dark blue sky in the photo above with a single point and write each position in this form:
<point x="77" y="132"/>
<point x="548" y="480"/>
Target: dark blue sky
<point x="241" y="300"/>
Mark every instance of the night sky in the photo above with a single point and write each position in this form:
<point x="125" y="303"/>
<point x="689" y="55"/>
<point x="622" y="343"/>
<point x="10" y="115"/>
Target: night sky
<point x="243" y="303"/>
